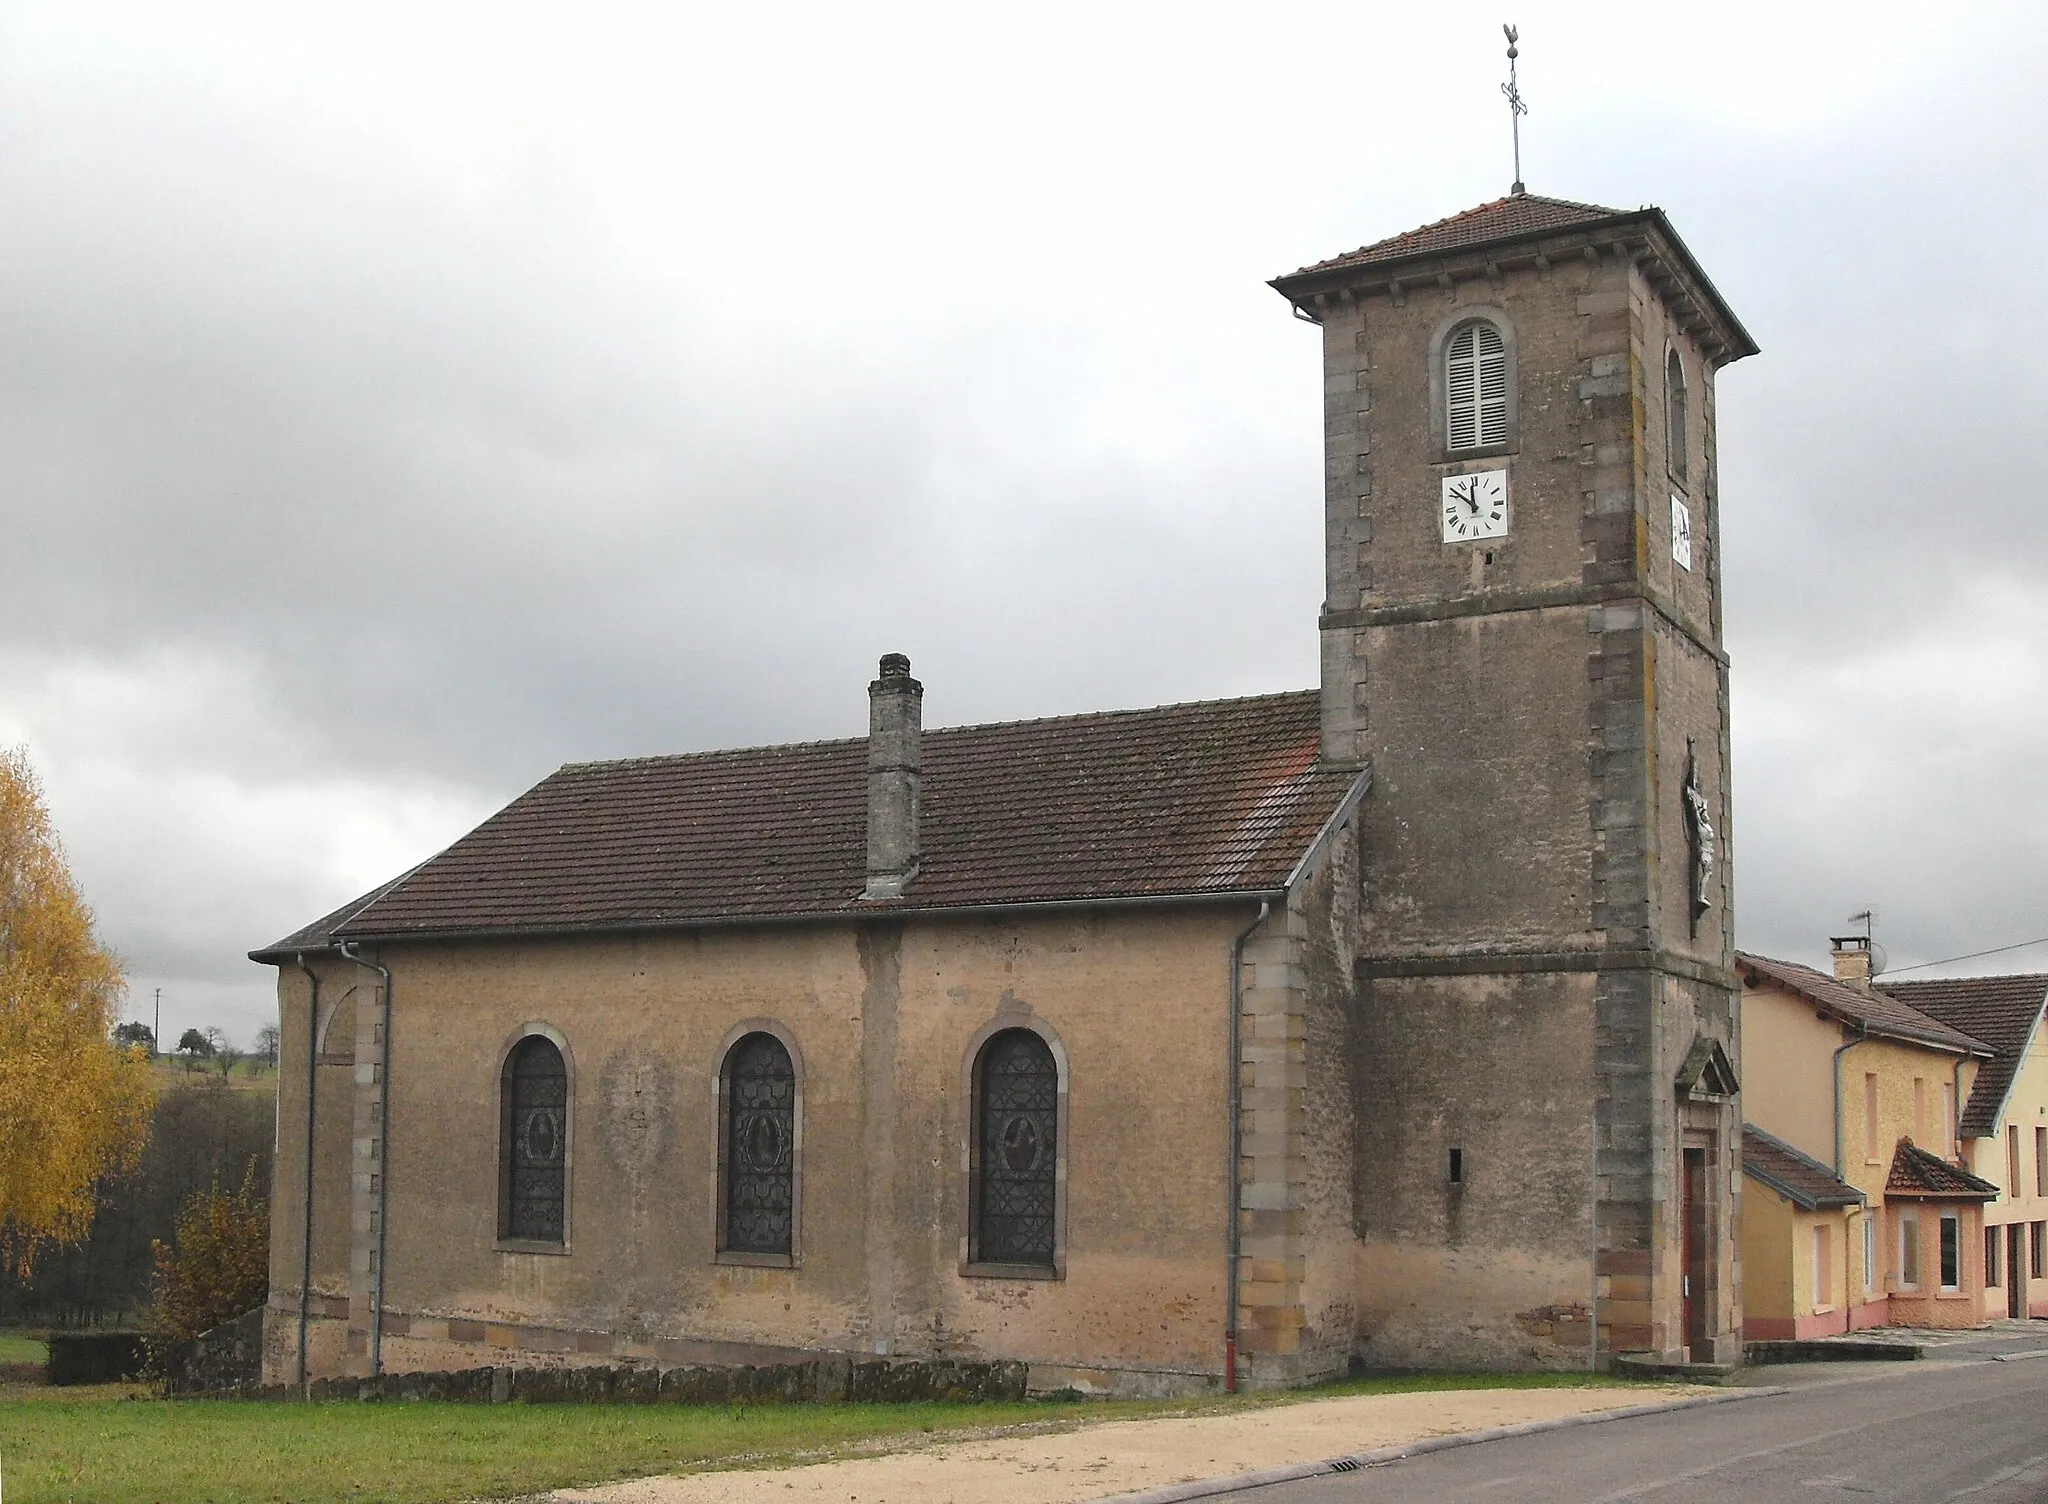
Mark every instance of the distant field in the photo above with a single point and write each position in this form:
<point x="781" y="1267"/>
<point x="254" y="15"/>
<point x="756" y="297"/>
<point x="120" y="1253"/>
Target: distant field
<point x="113" y="1445"/>
<point x="20" y="1347"/>
<point x="169" y="1071"/>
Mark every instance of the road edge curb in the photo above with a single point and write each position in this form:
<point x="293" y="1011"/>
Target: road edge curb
<point x="1209" y="1488"/>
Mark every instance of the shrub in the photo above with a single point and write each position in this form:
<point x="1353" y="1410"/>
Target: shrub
<point x="218" y="1265"/>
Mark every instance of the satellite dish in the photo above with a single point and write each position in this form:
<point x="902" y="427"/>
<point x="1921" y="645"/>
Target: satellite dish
<point x="1878" y="959"/>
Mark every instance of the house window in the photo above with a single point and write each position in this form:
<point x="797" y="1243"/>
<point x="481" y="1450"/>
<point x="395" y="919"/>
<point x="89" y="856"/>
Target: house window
<point x="758" y="1166"/>
<point x="1909" y="1251"/>
<point x="2041" y="1161"/>
<point x="1870" y="1117"/>
<point x="1016" y="1151"/>
<point x="1951" y="1251"/>
<point x="1674" y="416"/>
<point x="1869" y="1254"/>
<point x="1990" y="1259"/>
<point x="1823" y="1268"/>
<point x="1475" y="387"/>
<point x="2012" y="1159"/>
<point x="534" y="1142"/>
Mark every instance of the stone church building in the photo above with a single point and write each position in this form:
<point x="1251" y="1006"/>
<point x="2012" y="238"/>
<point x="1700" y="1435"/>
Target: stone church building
<point x="1239" y="1042"/>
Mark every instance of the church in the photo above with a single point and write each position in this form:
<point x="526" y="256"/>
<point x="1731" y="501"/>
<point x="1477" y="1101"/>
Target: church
<point x="1387" y="1023"/>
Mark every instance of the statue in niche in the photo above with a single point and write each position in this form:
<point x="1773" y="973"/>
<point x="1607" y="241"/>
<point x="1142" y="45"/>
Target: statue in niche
<point x="1699" y="835"/>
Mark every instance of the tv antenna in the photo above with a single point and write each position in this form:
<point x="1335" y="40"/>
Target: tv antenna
<point x="1878" y="959"/>
<point x="1516" y="109"/>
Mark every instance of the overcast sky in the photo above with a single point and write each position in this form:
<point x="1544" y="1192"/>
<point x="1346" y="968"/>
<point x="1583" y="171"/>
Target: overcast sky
<point x="397" y="401"/>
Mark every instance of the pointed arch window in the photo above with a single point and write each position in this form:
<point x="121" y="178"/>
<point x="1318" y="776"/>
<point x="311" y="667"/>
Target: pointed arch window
<point x="1676" y="447"/>
<point x="1475" y="387"/>
<point x="534" y="1143"/>
<point x="1016" y="1150"/>
<point x="757" y="1202"/>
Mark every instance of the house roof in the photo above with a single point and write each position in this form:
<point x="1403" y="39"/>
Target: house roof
<point x="1523" y="229"/>
<point x="1200" y="800"/>
<point x="2001" y="1011"/>
<point x="1871" y="1012"/>
<point x="1504" y="218"/>
<point x="1916" y="1172"/>
<point x="1799" y="1177"/>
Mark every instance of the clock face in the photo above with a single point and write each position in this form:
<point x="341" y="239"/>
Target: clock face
<point x="1681" y="533"/>
<point x="1475" y="506"/>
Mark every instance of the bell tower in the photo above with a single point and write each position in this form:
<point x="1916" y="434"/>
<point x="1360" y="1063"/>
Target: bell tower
<point x="1522" y="636"/>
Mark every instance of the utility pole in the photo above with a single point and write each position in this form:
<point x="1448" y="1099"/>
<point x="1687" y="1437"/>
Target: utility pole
<point x="156" y="1033"/>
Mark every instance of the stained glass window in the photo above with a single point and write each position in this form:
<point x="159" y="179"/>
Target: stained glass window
<point x="760" y="1147"/>
<point x="537" y="1141"/>
<point x="1017" y="1148"/>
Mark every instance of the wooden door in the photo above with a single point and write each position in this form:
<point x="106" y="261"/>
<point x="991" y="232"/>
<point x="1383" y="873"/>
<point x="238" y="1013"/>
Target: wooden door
<point x="1695" y="1288"/>
<point x="2015" y="1270"/>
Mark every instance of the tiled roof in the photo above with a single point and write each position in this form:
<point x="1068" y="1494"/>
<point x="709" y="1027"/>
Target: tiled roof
<point x="2002" y="1012"/>
<point x="1872" y="1012"/>
<point x="1205" y="799"/>
<point x="1915" y="1172"/>
<point x="1804" y="1179"/>
<point x="1504" y="218"/>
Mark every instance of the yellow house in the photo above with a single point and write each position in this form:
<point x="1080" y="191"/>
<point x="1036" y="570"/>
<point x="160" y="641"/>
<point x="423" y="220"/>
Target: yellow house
<point x="1865" y="1087"/>
<point x="2004" y="1126"/>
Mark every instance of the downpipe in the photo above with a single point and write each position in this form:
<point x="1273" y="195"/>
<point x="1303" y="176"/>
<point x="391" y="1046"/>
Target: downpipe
<point x="1234" y="1077"/>
<point x="312" y="1084"/>
<point x="1835" y="1069"/>
<point x="383" y="1156"/>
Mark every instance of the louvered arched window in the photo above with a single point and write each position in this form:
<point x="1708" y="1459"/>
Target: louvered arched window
<point x="758" y="1208"/>
<point x="534" y="1143"/>
<point x="1016" y="1150"/>
<point x="1476" y="387"/>
<point x="1674" y="416"/>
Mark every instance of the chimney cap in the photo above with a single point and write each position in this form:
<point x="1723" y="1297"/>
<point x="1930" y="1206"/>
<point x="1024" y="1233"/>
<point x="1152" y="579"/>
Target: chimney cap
<point x="1849" y="942"/>
<point x="895" y="666"/>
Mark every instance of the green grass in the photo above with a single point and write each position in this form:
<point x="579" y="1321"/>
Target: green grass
<point x="114" y="1445"/>
<point x="20" y="1347"/>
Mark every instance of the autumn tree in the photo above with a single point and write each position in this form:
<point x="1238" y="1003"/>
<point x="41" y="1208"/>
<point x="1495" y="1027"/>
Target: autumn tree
<point x="218" y="1263"/>
<point x="74" y="1106"/>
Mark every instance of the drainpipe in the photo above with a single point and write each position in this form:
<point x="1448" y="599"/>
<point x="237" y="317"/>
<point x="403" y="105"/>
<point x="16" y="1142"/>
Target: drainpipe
<point x="383" y="1156"/>
<point x="1235" y="1079"/>
<point x="312" y="1080"/>
<point x="1954" y="1127"/>
<point x="1835" y="1067"/>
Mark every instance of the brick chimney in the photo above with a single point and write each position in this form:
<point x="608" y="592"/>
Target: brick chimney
<point x="895" y="761"/>
<point x="1852" y="959"/>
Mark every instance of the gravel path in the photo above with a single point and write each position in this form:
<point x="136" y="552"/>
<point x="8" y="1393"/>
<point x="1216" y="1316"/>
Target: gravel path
<point x="1095" y="1462"/>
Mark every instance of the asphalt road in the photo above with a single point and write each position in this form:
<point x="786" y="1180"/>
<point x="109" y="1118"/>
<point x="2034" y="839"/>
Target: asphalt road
<point x="1964" y="1427"/>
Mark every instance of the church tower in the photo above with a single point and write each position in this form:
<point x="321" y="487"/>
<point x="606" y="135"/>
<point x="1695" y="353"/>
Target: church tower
<point x="1522" y="637"/>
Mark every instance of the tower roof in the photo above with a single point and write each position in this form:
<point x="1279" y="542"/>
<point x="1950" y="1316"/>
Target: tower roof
<point x="1504" y="218"/>
<point x="1521" y="230"/>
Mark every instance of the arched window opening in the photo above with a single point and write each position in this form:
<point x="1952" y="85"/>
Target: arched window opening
<point x="1675" y="416"/>
<point x="1016" y="1150"/>
<point x="760" y="1147"/>
<point x="536" y="1141"/>
<point x="1476" y="387"/>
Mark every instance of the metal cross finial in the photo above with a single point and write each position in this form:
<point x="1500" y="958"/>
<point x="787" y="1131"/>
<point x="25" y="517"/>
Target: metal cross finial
<point x="1516" y="109"/>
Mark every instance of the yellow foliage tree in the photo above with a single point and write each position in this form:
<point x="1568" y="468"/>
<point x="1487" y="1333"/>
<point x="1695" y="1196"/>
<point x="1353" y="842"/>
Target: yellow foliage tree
<point x="219" y="1265"/>
<point x="73" y="1106"/>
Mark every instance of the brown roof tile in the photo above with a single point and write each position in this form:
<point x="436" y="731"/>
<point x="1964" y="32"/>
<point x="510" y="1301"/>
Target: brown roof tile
<point x="1214" y="798"/>
<point x="1798" y="1176"/>
<point x="2002" y="1012"/>
<point x="1504" y="218"/>
<point x="1915" y="1172"/>
<point x="1872" y="1012"/>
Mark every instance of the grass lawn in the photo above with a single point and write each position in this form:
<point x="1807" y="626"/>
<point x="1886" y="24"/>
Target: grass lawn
<point x="19" y="1347"/>
<point x="113" y="1445"/>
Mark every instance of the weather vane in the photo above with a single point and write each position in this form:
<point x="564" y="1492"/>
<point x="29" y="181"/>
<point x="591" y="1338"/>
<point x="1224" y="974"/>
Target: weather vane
<point x="1516" y="109"/>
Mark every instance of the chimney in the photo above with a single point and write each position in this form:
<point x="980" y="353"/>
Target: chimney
<point x="895" y="724"/>
<point x="1852" y="959"/>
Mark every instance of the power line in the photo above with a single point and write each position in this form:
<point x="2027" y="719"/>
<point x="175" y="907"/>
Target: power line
<point x="1972" y="956"/>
